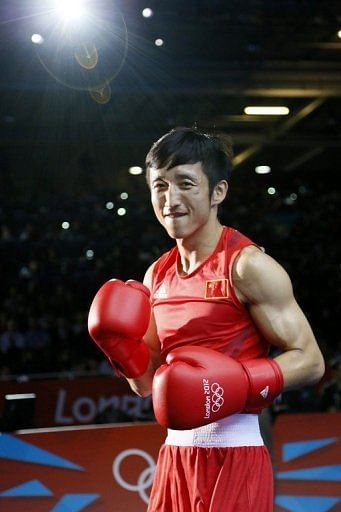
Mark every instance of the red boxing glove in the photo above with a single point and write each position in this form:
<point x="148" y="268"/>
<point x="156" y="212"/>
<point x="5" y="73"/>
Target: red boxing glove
<point x="198" y="385"/>
<point x="118" y="319"/>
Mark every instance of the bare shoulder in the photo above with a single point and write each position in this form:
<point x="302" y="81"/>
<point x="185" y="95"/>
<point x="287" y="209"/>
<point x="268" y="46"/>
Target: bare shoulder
<point x="258" y="277"/>
<point x="148" y="277"/>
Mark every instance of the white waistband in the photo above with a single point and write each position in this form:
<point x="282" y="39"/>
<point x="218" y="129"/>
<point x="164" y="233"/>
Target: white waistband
<point x="236" y="430"/>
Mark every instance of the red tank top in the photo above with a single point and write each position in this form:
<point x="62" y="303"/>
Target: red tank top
<point x="201" y="308"/>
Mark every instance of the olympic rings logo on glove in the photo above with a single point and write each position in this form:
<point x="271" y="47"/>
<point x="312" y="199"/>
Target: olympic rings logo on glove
<point x="145" y="479"/>
<point x="217" y="396"/>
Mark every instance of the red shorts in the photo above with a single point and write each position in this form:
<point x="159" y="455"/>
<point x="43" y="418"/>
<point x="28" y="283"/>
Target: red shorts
<point x="197" y="479"/>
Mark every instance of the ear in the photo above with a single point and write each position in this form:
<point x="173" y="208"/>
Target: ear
<point x="219" y="192"/>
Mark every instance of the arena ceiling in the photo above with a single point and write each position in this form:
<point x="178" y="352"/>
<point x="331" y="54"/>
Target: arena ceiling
<point x="217" y="57"/>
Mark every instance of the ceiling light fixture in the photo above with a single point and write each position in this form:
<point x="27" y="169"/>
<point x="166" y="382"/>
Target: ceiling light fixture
<point x="70" y="9"/>
<point x="147" y="13"/>
<point x="263" y="169"/>
<point x="135" y="170"/>
<point x="37" y="39"/>
<point x="266" y="111"/>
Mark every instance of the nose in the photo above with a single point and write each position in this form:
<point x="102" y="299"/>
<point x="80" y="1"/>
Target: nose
<point x="172" y="197"/>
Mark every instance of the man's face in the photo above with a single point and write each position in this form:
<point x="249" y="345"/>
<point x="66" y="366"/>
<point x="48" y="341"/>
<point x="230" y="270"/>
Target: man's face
<point x="180" y="198"/>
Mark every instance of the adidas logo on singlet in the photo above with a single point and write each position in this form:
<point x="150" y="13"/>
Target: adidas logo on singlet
<point x="161" y="292"/>
<point x="265" y="392"/>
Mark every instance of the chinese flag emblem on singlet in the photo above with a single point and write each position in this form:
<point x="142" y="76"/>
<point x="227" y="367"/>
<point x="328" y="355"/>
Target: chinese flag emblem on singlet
<point x="216" y="289"/>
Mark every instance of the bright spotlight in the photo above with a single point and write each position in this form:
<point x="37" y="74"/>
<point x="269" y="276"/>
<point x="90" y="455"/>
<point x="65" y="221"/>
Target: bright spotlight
<point x="85" y="44"/>
<point x="262" y="169"/>
<point x="135" y="170"/>
<point x="70" y="9"/>
<point x="159" y="42"/>
<point x="37" y="39"/>
<point x="266" y="111"/>
<point x="147" y="13"/>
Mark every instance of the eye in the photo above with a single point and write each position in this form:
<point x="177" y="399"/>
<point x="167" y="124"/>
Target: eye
<point x="186" y="184"/>
<point x="159" y="185"/>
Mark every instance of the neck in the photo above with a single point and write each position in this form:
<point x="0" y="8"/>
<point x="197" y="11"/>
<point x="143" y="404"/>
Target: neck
<point x="196" y="248"/>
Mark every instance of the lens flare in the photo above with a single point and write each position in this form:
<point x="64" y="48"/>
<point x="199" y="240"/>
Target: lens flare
<point x="88" y="54"/>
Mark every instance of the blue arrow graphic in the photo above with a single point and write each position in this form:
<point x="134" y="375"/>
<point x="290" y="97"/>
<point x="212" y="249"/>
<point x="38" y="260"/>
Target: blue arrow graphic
<point x="325" y="473"/>
<point x="307" y="503"/>
<point x="15" y="449"/>
<point x="297" y="449"/>
<point x="74" y="502"/>
<point x="28" y="489"/>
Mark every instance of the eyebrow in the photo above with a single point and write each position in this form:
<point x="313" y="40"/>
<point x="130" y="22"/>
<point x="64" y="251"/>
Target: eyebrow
<point x="185" y="175"/>
<point x="180" y="176"/>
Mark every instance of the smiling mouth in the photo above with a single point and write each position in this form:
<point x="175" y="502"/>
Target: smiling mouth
<point x="175" y="215"/>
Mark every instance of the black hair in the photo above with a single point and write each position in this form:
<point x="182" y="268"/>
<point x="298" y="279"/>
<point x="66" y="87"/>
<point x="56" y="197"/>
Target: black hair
<point x="188" y="146"/>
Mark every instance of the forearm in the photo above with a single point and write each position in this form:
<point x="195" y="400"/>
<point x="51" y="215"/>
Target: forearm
<point x="300" y="368"/>
<point x="142" y="386"/>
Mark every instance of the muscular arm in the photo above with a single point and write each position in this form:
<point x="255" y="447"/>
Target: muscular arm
<point x="262" y="284"/>
<point x="143" y="385"/>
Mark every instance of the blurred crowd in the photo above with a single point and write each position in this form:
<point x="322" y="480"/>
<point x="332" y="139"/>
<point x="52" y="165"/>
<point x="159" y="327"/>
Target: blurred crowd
<point x="56" y="251"/>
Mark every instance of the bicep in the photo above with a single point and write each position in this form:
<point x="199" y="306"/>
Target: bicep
<point x="152" y="340"/>
<point x="143" y="385"/>
<point x="269" y="295"/>
<point x="151" y="337"/>
<point x="283" y="324"/>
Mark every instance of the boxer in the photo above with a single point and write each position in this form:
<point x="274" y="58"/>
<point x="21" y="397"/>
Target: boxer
<point x="218" y="303"/>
